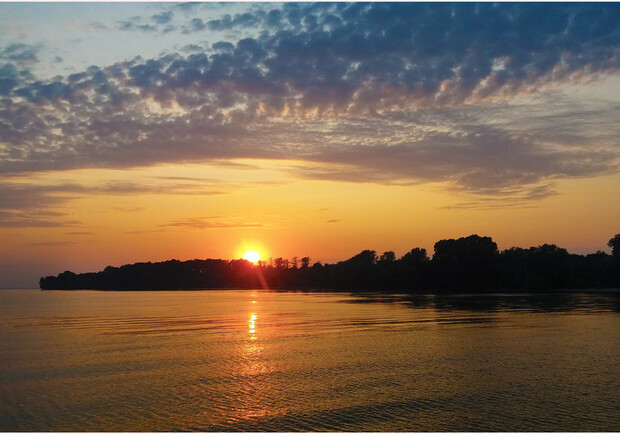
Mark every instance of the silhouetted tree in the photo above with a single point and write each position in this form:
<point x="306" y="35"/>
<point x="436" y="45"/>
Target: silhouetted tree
<point x="614" y="243"/>
<point x="415" y="256"/>
<point x="358" y="271"/>
<point x="468" y="263"/>
<point x="305" y="262"/>
<point x="365" y="257"/>
<point x="414" y="270"/>
<point x="388" y="257"/>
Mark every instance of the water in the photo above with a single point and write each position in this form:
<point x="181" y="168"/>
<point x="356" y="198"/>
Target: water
<point x="285" y="361"/>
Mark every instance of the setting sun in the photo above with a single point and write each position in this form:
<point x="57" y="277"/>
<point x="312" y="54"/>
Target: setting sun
<point x="252" y="256"/>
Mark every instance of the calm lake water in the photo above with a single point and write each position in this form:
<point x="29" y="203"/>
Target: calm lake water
<point x="286" y="361"/>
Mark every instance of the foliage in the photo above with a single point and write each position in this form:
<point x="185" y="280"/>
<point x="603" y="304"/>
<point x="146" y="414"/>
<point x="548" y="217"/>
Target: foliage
<point x="471" y="264"/>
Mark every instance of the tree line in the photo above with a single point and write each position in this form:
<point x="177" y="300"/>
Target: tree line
<point x="468" y="264"/>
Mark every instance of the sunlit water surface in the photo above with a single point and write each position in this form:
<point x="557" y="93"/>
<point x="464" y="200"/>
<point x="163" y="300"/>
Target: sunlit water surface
<point x="286" y="361"/>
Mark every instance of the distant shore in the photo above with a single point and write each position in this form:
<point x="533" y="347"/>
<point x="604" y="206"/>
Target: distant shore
<point x="386" y="292"/>
<point x="471" y="264"/>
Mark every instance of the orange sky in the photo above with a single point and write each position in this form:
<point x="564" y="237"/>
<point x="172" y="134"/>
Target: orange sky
<point x="262" y="206"/>
<point x="302" y="130"/>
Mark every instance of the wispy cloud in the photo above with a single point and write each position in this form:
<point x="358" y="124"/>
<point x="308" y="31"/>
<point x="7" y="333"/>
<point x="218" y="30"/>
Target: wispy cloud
<point x="215" y="223"/>
<point x="33" y="205"/>
<point x="518" y="197"/>
<point x="34" y="219"/>
<point x="16" y="195"/>
<point x="129" y="209"/>
<point x="51" y="244"/>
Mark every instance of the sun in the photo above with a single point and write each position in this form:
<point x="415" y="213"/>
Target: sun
<point x="252" y="256"/>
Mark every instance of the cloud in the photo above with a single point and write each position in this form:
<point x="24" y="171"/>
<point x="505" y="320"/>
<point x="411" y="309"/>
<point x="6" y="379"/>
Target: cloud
<point x="162" y="18"/>
<point x="20" y="53"/>
<point x="88" y="26"/>
<point x="31" y="205"/>
<point x="51" y="244"/>
<point x="516" y="197"/>
<point x="160" y="23"/>
<point x="34" y="219"/>
<point x="27" y="196"/>
<point x="187" y="7"/>
<point x="195" y="25"/>
<point x="15" y="196"/>
<point x="227" y="22"/>
<point x="359" y="92"/>
<point x="129" y="209"/>
<point x="214" y="223"/>
<point x="136" y="24"/>
<point x="475" y="158"/>
<point x="147" y="231"/>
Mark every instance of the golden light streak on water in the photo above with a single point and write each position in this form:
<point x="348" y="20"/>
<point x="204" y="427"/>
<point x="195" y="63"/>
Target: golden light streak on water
<point x="252" y="323"/>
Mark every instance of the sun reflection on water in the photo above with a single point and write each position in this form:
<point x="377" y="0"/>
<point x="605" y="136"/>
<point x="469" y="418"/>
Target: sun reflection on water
<point x="255" y="398"/>
<point x="252" y="324"/>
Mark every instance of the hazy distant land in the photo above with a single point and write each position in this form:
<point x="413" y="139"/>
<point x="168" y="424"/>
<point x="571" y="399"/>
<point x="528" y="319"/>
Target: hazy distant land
<point x="469" y="264"/>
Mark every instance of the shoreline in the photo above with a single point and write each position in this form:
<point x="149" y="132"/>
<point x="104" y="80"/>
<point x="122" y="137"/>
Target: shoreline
<point x="318" y="290"/>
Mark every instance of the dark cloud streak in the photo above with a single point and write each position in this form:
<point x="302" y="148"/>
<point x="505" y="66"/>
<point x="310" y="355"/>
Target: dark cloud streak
<point x="213" y="223"/>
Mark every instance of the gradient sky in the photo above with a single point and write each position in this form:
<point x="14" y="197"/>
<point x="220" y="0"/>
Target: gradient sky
<point x="149" y="131"/>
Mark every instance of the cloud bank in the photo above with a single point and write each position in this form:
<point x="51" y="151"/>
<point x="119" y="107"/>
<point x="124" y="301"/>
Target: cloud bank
<point x="390" y="93"/>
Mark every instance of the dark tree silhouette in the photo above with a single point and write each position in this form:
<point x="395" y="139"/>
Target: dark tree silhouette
<point x="468" y="263"/>
<point x="614" y="243"/>
<point x="388" y="256"/>
<point x="415" y="256"/>
<point x="365" y="257"/>
<point x="471" y="264"/>
<point x="414" y="270"/>
<point x="305" y="262"/>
